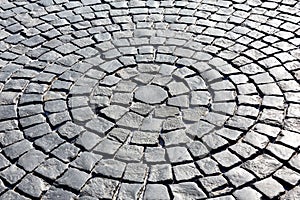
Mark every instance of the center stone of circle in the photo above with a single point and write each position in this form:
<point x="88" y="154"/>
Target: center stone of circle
<point x="151" y="94"/>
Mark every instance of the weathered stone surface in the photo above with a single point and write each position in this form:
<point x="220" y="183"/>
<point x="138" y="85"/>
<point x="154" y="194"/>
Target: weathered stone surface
<point x="239" y="177"/>
<point x="150" y="94"/>
<point x="12" y="174"/>
<point x="269" y="187"/>
<point x="246" y="193"/>
<point x="30" y="160"/>
<point x="51" y="168"/>
<point x="160" y="173"/>
<point x="102" y="188"/>
<point x="262" y="165"/>
<point x="73" y="178"/>
<point x="156" y="191"/>
<point x="135" y="172"/>
<point x="110" y="168"/>
<point x="187" y="190"/>
<point x="185" y="172"/>
<point x="149" y="99"/>
<point x="130" y="191"/>
<point x="32" y="186"/>
<point x="58" y="193"/>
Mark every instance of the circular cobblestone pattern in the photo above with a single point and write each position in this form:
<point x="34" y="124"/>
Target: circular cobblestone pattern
<point x="103" y="99"/>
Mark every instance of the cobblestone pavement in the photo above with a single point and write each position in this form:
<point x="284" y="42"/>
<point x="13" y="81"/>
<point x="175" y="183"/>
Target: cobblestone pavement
<point x="149" y="99"/>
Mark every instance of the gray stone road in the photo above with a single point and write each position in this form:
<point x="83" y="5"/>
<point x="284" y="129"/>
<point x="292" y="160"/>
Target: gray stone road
<point x="149" y="99"/>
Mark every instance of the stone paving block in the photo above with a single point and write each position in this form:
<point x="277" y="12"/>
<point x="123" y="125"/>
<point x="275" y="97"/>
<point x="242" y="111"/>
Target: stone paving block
<point x="188" y="190"/>
<point x="32" y="185"/>
<point x="51" y="168"/>
<point x="200" y="98"/>
<point x="74" y="178"/>
<point x="269" y="187"/>
<point x="100" y="188"/>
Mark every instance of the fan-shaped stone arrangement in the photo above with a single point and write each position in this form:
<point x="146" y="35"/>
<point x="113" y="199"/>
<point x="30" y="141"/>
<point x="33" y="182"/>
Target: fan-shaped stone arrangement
<point x="149" y="99"/>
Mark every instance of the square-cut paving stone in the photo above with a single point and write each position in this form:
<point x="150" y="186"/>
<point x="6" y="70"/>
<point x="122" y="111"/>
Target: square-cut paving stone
<point x="238" y="176"/>
<point x="173" y="123"/>
<point x="208" y="166"/>
<point x="88" y="140"/>
<point x="176" y="137"/>
<point x="8" y="112"/>
<point x="166" y="111"/>
<point x="131" y="120"/>
<point x="107" y="146"/>
<point x="186" y="172"/>
<point x="197" y="149"/>
<point x="30" y="160"/>
<point x="188" y="190"/>
<point x="130" y="191"/>
<point x="257" y="140"/>
<point x="66" y="152"/>
<point x="154" y="155"/>
<point x="135" y="172"/>
<point x="160" y="173"/>
<point x="17" y="149"/>
<point x="246" y="193"/>
<point x="37" y="130"/>
<point x="268" y="130"/>
<point x="32" y="186"/>
<point x="82" y="114"/>
<point x="51" y="168"/>
<point x="262" y="166"/>
<point x="48" y="142"/>
<point x="151" y="124"/>
<point x="144" y="138"/>
<point x="181" y="101"/>
<point x="74" y="178"/>
<point x="86" y="161"/>
<point x="199" y="129"/>
<point x="141" y="108"/>
<point x="156" y="191"/>
<point x="70" y="130"/>
<point x="211" y="183"/>
<point x="269" y="187"/>
<point x="57" y="119"/>
<point x="130" y="153"/>
<point x="119" y="134"/>
<point x="244" y="150"/>
<point x="99" y="125"/>
<point x="114" y="112"/>
<point x="214" y="141"/>
<point x="58" y="193"/>
<point x="200" y="98"/>
<point x="10" y="137"/>
<point x="279" y="151"/>
<point x="178" y="154"/>
<point x="111" y="66"/>
<point x="10" y="194"/>
<point x="226" y="159"/>
<point x="288" y="175"/>
<point x="12" y="174"/>
<point x="239" y="122"/>
<point x="101" y="188"/>
<point x="110" y="168"/>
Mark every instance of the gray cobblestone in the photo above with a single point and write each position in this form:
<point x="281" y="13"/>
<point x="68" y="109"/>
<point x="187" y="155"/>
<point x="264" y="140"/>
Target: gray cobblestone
<point x="201" y="98"/>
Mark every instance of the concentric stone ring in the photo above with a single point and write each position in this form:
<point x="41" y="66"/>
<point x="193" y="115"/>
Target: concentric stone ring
<point x="149" y="99"/>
